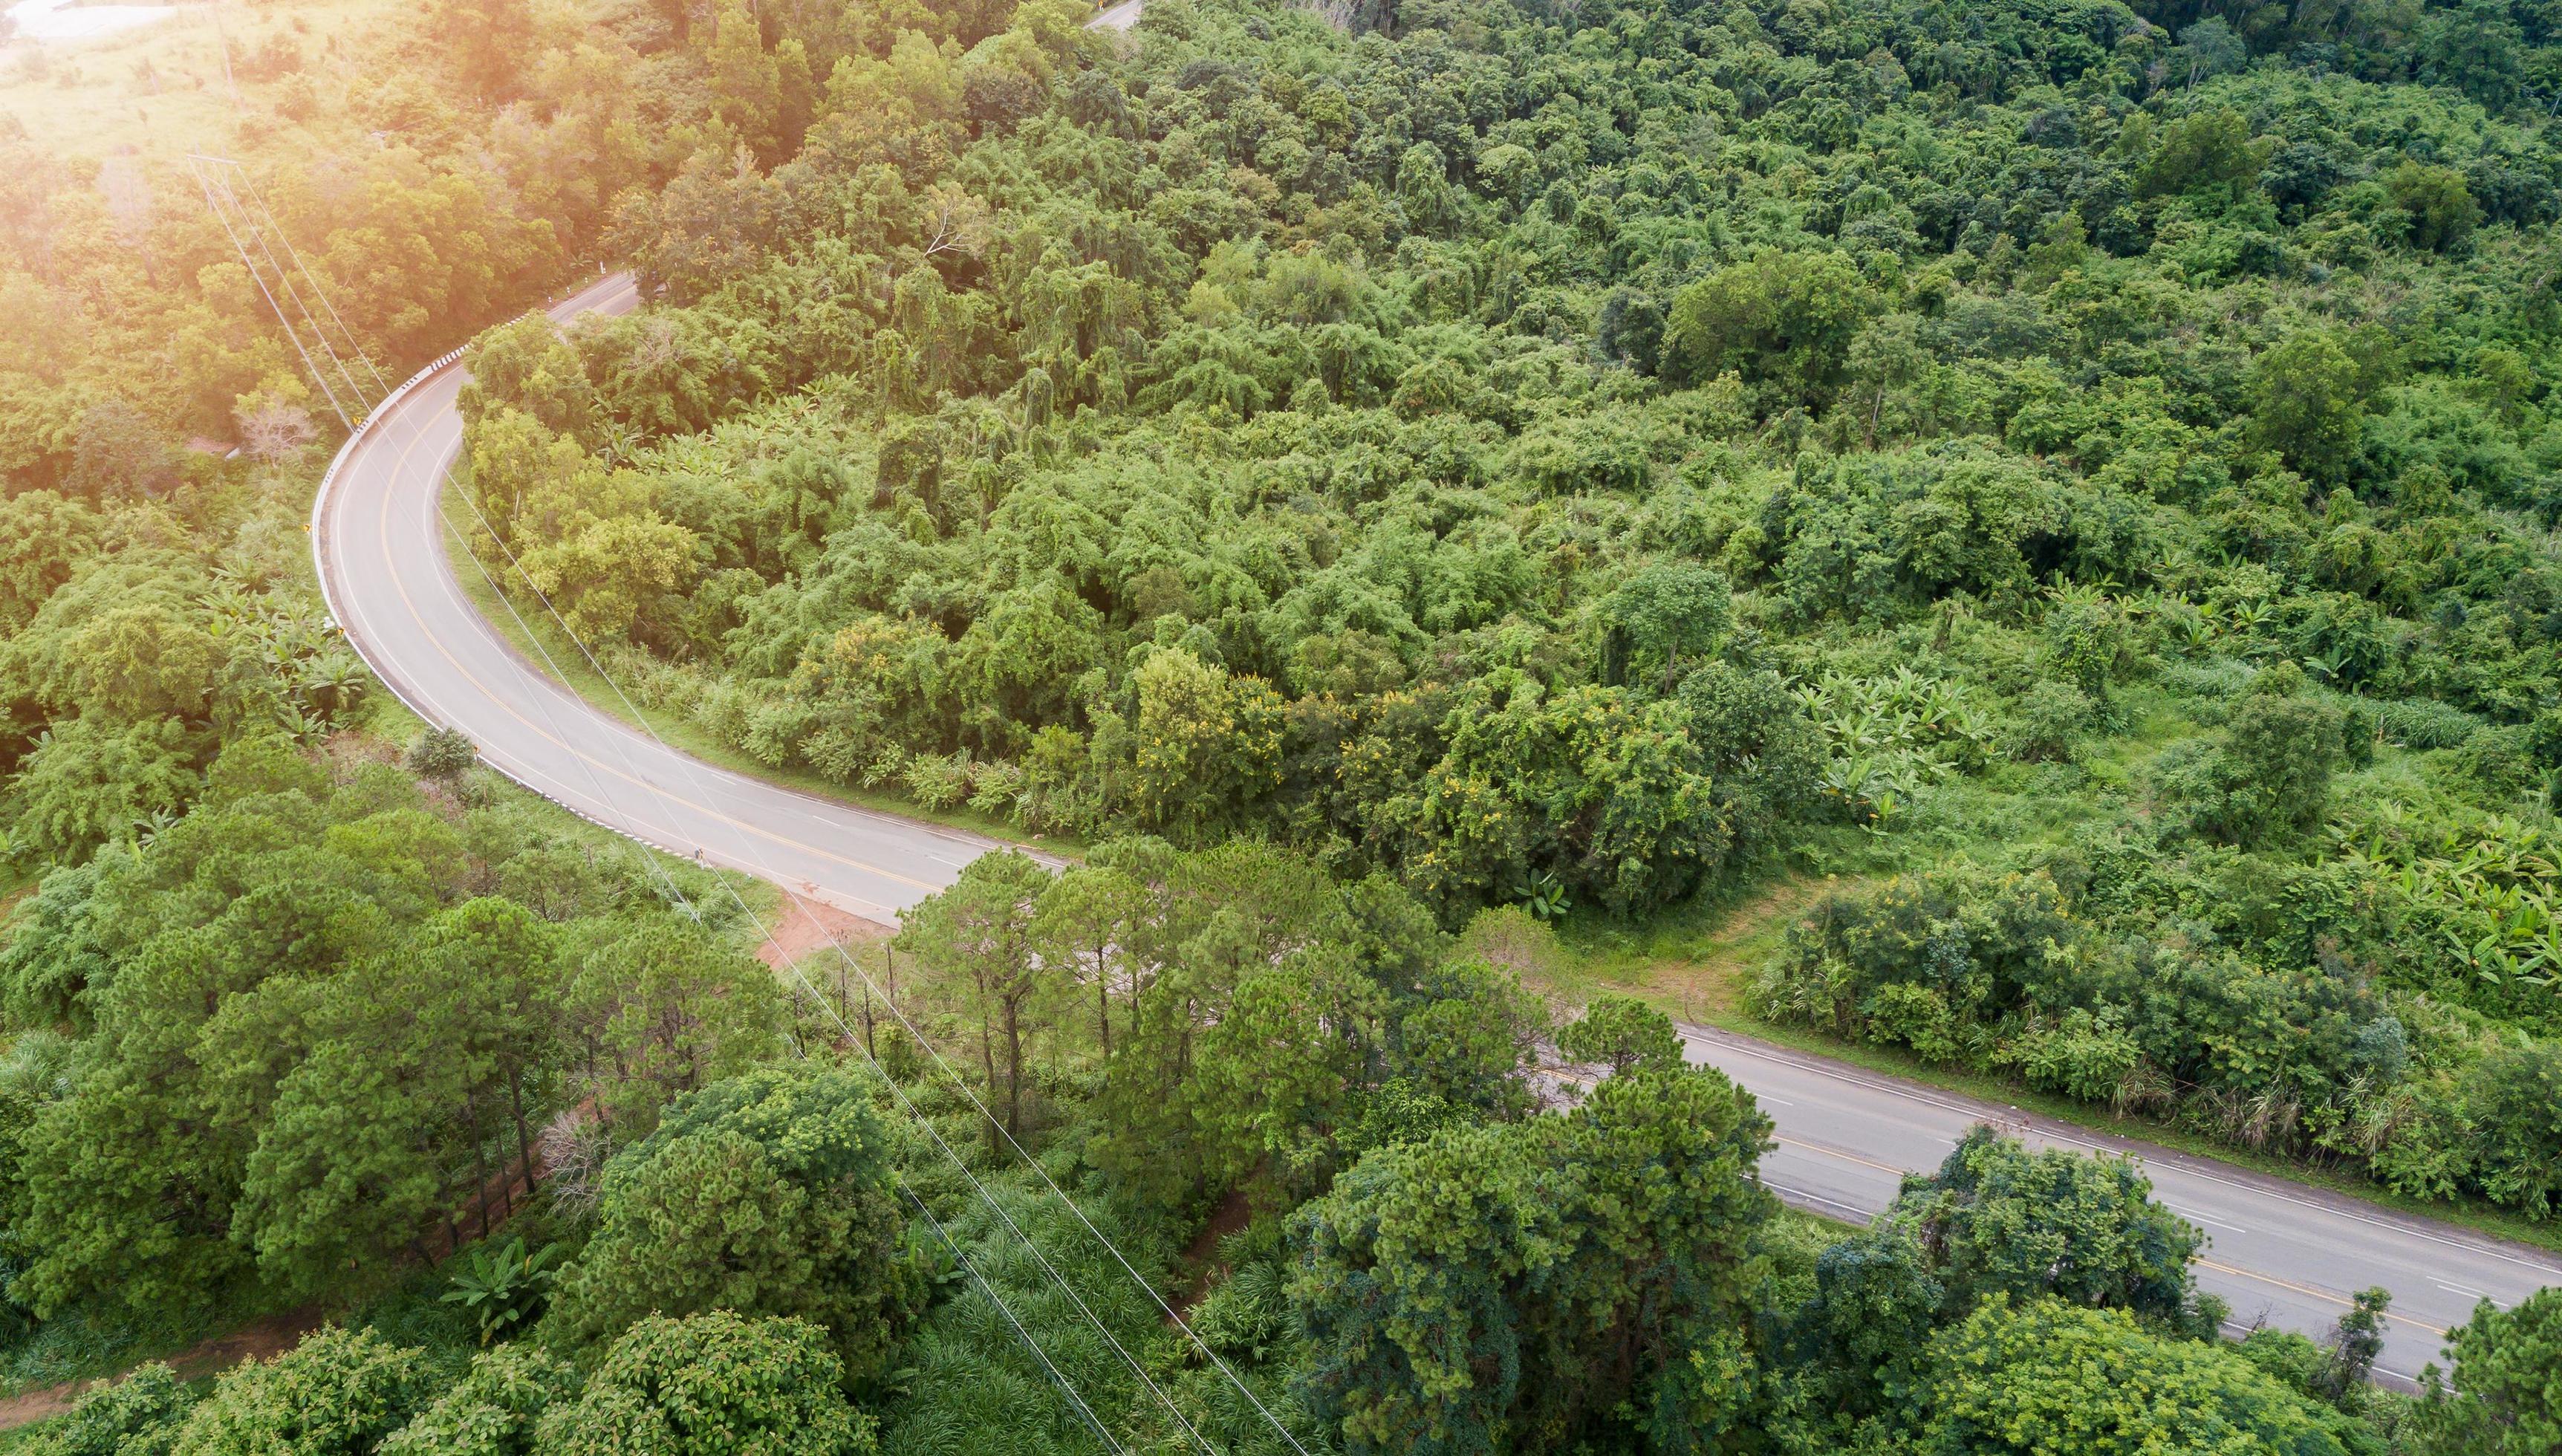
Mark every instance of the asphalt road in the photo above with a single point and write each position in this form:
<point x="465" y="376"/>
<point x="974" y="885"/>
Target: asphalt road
<point x="381" y="547"/>
<point x="2279" y="1252"/>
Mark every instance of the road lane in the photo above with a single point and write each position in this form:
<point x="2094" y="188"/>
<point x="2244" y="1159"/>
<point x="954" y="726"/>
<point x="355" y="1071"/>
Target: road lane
<point x="2279" y="1252"/>
<point x="378" y="539"/>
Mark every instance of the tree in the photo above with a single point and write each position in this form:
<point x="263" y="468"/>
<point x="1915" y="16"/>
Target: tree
<point x="1517" y="1287"/>
<point x="1083" y="926"/>
<point x="1665" y="609"/>
<point x="747" y="93"/>
<point x="2475" y="47"/>
<point x="2307" y="404"/>
<point x="2268" y="776"/>
<point x="660" y="1007"/>
<point x="1784" y="319"/>
<point x="490" y="42"/>
<point x="2211" y="149"/>
<point x="1206" y="744"/>
<point x="1624" y="1032"/>
<point x="712" y="1384"/>
<point x="2437" y="208"/>
<point x="2041" y="1377"/>
<point x="42" y="536"/>
<point x="2001" y="1220"/>
<point x="117" y="452"/>
<point x="54" y="950"/>
<point x="91" y="781"/>
<point x="339" y="1392"/>
<point x="494" y="1411"/>
<point x="2505" y="1401"/>
<point x="769" y="1194"/>
<point x="978" y="939"/>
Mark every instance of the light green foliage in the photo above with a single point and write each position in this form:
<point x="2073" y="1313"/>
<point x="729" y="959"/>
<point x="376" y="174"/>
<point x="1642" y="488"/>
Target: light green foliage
<point x="339" y="1392"/>
<point x="138" y="1415"/>
<point x="768" y="1194"/>
<point x="2040" y="1377"/>
<point x="494" y="1409"/>
<point x="712" y="1384"/>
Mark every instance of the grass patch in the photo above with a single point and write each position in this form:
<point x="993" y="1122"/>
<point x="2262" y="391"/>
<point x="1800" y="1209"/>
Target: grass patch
<point x="163" y="90"/>
<point x="1706" y="987"/>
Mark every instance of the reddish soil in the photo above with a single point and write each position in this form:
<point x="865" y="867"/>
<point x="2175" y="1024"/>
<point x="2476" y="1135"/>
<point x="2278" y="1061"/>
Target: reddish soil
<point x="259" y="1339"/>
<point x="1230" y="1217"/>
<point x="806" y="925"/>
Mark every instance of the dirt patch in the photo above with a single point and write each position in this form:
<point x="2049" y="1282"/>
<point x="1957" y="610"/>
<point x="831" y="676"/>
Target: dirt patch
<point x="1201" y="1255"/>
<point x="1711" y="982"/>
<point x="258" y="1340"/>
<point x="808" y="925"/>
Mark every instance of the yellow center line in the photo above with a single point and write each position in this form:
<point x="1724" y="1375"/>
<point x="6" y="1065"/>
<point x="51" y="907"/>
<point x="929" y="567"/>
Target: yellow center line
<point x="2324" y="1295"/>
<point x="1844" y="1157"/>
<point x="399" y="467"/>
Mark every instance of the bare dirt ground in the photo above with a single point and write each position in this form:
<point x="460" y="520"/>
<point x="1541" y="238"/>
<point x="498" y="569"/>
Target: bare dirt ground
<point x="806" y="926"/>
<point x="259" y="1339"/>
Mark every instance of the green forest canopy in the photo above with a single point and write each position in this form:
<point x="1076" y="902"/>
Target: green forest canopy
<point x="1379" y="477"/>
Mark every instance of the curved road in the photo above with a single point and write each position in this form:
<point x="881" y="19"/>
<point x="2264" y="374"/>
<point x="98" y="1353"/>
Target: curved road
<point x="380" y="545"/>
<point x="2279" y="1252"/>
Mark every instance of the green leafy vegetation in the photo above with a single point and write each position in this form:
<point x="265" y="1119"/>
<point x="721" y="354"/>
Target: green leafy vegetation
<point x="1415" y="489"/>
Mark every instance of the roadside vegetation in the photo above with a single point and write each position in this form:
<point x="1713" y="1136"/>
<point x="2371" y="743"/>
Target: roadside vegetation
<point x="2050" y="509"/>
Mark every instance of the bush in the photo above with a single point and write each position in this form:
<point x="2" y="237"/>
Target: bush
<point x="2050" y="723"/>
<point x="1624" y="1032"/>
<point x="442" y="753"/>
<point x="2041" y="1376"/>
<point x="339" y="1392"/>
<point x="493" y="1411"/>
<point x="138" y="1416"/>
<point x="2268" y="774"/>
<point x="713" y="1384"/>
<point x="768" y="1194"/>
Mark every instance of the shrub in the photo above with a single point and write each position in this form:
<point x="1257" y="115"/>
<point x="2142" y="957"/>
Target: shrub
<point x="339" y="1392"/>
<point x="442" y="753"/>
<point x="713" y="1384"/>
<point x="765" y="1194"/>
<point x="138" y="1416"/>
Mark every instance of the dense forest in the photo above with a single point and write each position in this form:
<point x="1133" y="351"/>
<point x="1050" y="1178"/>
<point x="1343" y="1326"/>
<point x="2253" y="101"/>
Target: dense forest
<point x="1400" y="494"/>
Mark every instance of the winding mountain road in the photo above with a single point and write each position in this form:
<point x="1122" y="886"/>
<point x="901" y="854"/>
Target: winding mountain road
<point x="2280" y="1252"/>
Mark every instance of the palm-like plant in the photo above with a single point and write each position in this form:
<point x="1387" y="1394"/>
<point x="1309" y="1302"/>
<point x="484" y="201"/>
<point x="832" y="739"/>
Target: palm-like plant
<point x="504" y="1287"/>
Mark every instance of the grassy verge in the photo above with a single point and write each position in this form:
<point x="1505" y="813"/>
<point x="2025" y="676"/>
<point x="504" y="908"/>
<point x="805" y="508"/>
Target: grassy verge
<point x="536" y="635"/>
<point x="1706" y="987"/>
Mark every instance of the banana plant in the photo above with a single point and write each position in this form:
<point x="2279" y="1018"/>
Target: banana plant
<point x="504" y="1287"/>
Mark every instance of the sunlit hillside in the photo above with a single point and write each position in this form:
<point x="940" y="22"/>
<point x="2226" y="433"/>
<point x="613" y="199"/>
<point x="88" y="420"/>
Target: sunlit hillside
<point x="1371" y="727"/>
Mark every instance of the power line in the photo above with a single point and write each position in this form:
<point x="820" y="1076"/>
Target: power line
<point x="917" y="1034"/>
<point x="292" y="336"/>
<point x="900" y="1093"/>
<point x="838" y="945"/>
<point x="223" y="169"/>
